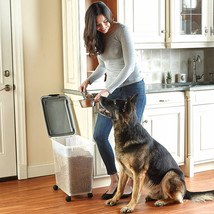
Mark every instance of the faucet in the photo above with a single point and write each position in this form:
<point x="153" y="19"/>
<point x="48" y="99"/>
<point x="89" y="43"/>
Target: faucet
<point x="196" y="77"/>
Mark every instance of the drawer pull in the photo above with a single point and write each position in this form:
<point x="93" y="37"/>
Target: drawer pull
<point x="163" y="101"/>
<point x="145" y="121"/>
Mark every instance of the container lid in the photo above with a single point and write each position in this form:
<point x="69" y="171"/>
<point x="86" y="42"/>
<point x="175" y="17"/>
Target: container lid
<point x="58" y="115"/>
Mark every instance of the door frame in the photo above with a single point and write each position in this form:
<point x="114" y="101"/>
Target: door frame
<point x="19" y="92"/>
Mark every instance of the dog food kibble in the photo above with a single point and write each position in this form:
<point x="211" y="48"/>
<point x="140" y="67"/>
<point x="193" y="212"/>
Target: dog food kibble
<point x="89" y="96"/>
<point x="74" y="173"/>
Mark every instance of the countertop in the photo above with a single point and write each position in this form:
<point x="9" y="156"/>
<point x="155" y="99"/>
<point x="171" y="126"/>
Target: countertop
<point x="158" y="88"/>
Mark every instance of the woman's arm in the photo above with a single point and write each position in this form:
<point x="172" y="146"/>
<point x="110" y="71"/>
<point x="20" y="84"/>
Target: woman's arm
<point x="100" y="70"/>
<point x="128" y="57"/>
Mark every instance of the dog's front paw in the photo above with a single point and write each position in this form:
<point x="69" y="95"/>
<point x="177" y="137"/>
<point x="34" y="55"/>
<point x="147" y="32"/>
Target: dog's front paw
<point x="126" y="210"/>
<point x="110" y="202"/>
<point x="159" y="203"/>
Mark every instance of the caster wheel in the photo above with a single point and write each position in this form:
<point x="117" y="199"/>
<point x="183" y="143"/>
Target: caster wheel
<point x="68" y="198"/>
<point x="55" y="187"/>
<point x="90" y="195"/>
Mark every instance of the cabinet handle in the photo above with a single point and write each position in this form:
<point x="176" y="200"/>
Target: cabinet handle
<point x="211" y="31"/>
<point x="163" y="31"/>
<point x="206" y="30"/>
<point x="164" y="101"/>
<point x="145" y="121"/>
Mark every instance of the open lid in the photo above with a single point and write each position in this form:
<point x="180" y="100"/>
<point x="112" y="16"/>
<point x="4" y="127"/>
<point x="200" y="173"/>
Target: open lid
<point x="58" y="115"/>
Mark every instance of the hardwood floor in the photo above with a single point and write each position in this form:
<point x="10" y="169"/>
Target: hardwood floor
<point x="36" y="195"/>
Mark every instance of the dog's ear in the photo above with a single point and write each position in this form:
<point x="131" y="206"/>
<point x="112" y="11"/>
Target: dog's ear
<point x="134" y="99"/>
<point x="128" y="105"/>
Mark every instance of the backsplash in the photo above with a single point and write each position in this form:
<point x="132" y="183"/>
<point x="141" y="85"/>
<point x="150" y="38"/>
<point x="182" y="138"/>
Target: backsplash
<point x="156" y="63"/>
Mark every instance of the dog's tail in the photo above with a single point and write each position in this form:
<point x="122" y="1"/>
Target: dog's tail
<point x="199" y="196"/>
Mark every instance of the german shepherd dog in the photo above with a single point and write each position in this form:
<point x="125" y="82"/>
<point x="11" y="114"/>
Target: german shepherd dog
<point x="143" y="159"/>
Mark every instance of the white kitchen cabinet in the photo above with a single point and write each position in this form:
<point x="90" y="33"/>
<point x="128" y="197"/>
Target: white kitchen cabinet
<point x="203" y="123"/>
<point x="164" y="119"/>
<point x="146" y="20"/>
<point x="190" y="24"/>
<point x="169" y="23"/>
<point x="200" y="130"/>
<point x="74" y="53"/>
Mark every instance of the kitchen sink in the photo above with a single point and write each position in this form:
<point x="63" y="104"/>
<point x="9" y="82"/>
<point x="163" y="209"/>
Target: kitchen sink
<point x="191" y="84"/>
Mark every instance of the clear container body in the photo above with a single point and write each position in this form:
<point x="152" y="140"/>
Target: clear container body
<point x="73" y="160"/>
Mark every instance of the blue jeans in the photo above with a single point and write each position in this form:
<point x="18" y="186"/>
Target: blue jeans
<point x="103" y="124"/>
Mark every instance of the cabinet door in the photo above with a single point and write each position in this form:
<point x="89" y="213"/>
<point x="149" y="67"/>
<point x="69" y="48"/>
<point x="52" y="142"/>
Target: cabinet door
<point x="74" y="57"/>
<point x="146" y="19"/>
<point x="189" y="23"/>
<point x="100" y="166"/>
<point x="203" y="123"/>
<point x="166" y="125"/>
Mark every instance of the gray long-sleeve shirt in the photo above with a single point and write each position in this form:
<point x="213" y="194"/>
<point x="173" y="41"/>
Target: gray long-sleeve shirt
<point x="118" y="60"/>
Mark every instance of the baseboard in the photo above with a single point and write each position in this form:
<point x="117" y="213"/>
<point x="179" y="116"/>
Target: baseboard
<point x="203" y="167"/>
<point x="22" y="171"/>
<point x="101" y="182"/>
<point x="40" y="170"/>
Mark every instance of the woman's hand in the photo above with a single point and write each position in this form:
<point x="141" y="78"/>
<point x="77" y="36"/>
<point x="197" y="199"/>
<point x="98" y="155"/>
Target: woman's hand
<point x="103" y="93"/>
<point x="84" y="86"/>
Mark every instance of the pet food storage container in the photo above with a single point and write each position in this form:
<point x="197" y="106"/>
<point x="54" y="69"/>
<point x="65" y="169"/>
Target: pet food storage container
<point x="73" y="154"/>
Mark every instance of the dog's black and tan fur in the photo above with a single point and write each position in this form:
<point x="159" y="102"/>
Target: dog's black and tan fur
<point x="146" y="161"/>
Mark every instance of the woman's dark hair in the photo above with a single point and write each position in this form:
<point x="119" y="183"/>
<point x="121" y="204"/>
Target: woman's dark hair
<point x="94" y="40"/>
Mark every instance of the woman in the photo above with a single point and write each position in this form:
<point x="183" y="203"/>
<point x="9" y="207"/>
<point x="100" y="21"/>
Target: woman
<point x="111" y="43"/>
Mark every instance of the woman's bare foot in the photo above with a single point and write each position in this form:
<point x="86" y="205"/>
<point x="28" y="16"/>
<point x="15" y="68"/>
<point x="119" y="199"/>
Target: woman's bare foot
<point x="112" y="188"/>
<point x="128" y="188"/>
<point x="113" y="184"/>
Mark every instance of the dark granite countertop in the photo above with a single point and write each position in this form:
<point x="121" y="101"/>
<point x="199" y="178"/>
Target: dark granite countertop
<point x="160" y="87"/>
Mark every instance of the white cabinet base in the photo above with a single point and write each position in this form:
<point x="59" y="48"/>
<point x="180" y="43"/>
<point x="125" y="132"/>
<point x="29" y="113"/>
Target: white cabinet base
<point x="200" y="149"/>
<point x="164" y="119"/>
<point x="204" y="167"/>
<point x="102" y="181"/>
<point x="189" y="167"/>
